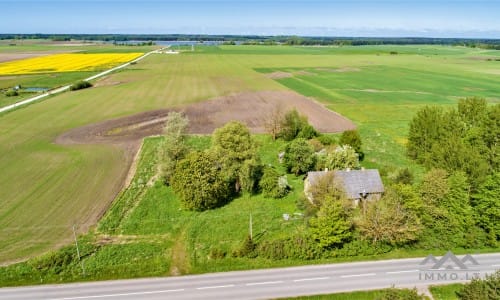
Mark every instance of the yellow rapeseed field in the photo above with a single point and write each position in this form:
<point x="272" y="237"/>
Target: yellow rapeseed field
<point x="69" y="62"/>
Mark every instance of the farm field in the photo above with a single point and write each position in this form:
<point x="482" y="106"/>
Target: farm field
<point x="40" y="67"/>
<point x="68" y="62"/>
<point x="46" y="188"/>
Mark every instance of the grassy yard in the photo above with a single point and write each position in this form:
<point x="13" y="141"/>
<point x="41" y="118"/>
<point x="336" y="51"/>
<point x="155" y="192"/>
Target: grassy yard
<point x="446" y="292"/>
<point x="46" y="188"/>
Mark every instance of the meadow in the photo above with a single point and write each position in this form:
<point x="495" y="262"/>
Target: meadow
<point x="46" y="188"/>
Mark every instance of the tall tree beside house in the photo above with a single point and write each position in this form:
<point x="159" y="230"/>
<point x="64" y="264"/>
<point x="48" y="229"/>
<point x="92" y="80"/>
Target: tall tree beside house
<point x="332" y="226"/>
<point x="390" y="220"/>
<point x="173" y="147"/>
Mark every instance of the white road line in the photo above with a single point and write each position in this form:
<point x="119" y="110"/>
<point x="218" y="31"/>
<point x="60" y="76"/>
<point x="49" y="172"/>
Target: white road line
<point x="495" y="265"/>
<point x="311" y="279"/>
<point x="262" y="283"/>
<point x="215" y="287"/>
<point x="399" y="272"/>
<point x="358" y="275"/>
<point x="120" y="295"/>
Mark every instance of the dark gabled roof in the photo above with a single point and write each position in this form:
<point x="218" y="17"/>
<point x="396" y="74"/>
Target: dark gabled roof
<point x="353" y="182"/>
<point x="357" y="182"/>
<point x="315" y="176"/>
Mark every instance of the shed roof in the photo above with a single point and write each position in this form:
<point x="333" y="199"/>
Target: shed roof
<point x="354" y="182"/>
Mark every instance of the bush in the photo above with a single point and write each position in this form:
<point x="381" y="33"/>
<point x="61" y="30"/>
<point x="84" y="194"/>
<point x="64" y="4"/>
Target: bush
<point x="11" y="93"/>
<point x="299" y="157"/>
<point x="272" y="184"/>
<point x="247" y="248"/>
<point x="400" y="294"/>
<point x="326" y="139"/>
<point x="80" y="85"/>
<point x="216" y="253"/>
<point x="487" y="288"/>
<point x="307" y="132"/>
<point x="403" y="176"/>
<point x="293" y="247"/>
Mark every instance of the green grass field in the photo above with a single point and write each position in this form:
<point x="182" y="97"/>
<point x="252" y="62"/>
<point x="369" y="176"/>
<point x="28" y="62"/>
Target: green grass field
<point x="46" y="188"/>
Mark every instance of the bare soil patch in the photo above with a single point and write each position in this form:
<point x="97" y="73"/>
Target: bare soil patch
<point x="107" y="81"/>
<point x="279" y="75"/>
<point x="339" y="70"/>
<point x="305" y="73"/>
<point x="251" y="108"/>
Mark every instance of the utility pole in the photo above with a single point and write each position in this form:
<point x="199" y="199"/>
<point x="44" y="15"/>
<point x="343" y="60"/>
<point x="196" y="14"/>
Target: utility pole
<point x="78" y="250"/>
<point x="251" y="229"/>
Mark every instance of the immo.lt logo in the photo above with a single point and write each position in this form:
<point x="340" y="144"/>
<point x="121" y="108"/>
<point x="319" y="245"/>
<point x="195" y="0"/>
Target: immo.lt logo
<point x="449" y="267"/>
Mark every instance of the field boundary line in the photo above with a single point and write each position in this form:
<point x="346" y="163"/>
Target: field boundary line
<point x="66" y="87"/>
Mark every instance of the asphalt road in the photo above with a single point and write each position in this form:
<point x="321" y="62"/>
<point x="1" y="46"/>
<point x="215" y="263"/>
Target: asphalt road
<point x="267" y="283"/>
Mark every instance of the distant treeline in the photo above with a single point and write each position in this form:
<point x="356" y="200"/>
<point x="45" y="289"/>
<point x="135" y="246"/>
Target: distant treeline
<point x="268" y="40"/>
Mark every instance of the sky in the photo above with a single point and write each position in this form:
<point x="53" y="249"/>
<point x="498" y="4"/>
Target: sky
<point x="366" y="18"/>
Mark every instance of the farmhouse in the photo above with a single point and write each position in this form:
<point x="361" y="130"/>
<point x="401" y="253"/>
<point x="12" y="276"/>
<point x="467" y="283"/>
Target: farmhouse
<point x="358" y="185"/>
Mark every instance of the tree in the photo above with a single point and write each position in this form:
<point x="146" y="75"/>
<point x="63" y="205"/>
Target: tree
<point x="307" y="132"/>
<point x="273" y="121"/>
<point x="174" y="147"/>
<point x="343" y="157"/>
<point x="353" y="139"/>
<point x="425" y="129"/>
<point x="249" y="175"/>
<point x="482" y="289"/>
<point x="457" y="204"/>
<point x="331" y="227"/>
<point x="299" y="156"/>
<point x="462" y="139"/>
<point x="273" y="184"/>
<point x="294" y="125"/>
<point x="198" y="182"/>
<point x="389" y="220"/>
<point x="487" y="206"/>
<point x="491" y="136"/>
<point x="233" y="145"/>
<point x="473" y="111"/>
<point x="434" y="186"/>
<point x="324" y="188"/>
<point x="443" y="228"/>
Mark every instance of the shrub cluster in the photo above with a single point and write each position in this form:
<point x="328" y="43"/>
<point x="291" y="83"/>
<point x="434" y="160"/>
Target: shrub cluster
<point x="80" y="85"/>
